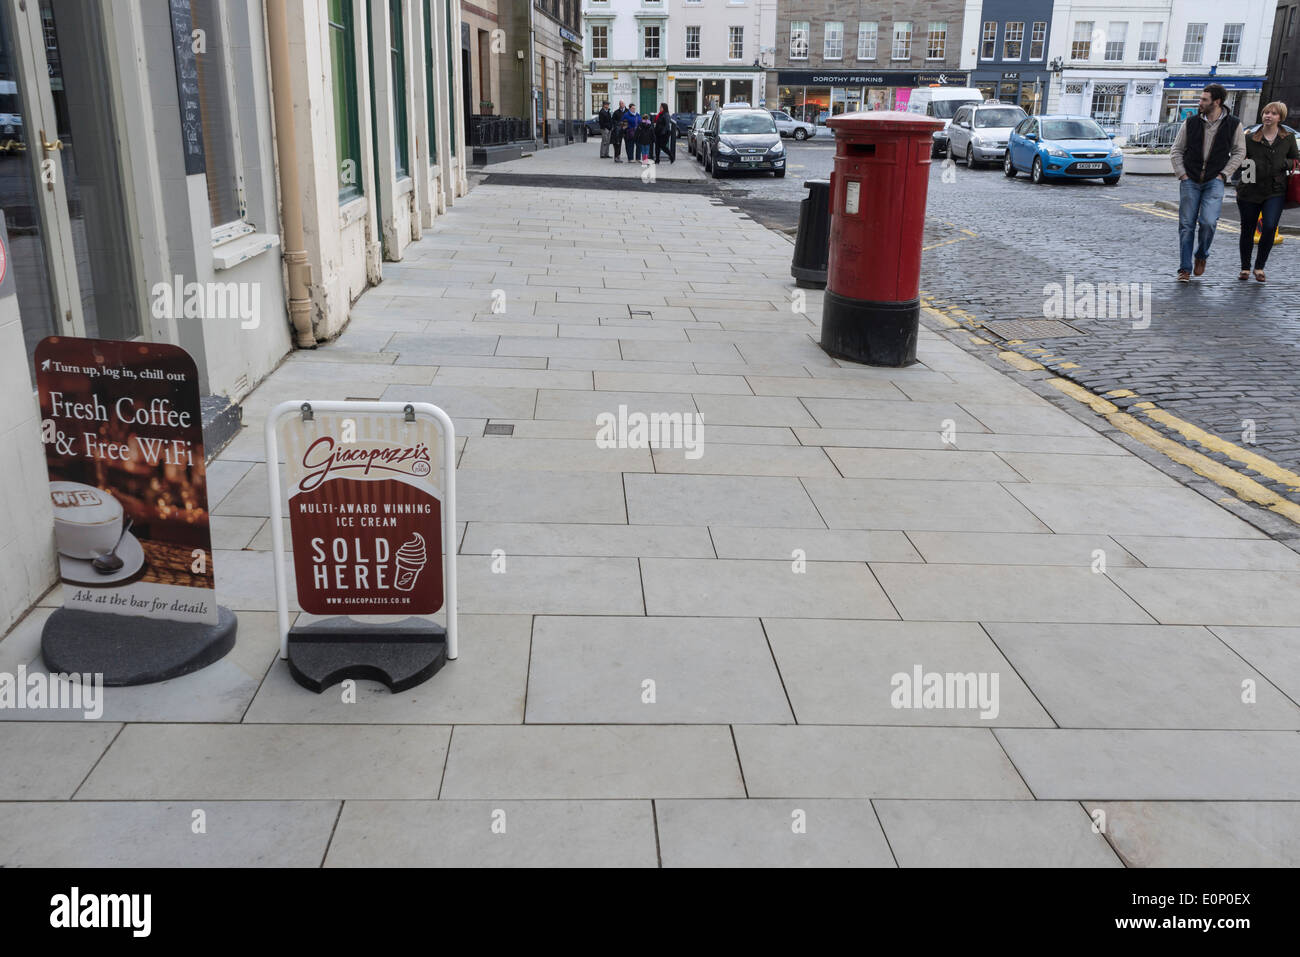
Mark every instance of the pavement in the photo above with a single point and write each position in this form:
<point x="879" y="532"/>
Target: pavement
<point x="723" y="658"/>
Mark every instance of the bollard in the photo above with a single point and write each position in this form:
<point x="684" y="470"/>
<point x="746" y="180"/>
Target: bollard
<point x="813" y="240"/>
<point x="872" y="313"/>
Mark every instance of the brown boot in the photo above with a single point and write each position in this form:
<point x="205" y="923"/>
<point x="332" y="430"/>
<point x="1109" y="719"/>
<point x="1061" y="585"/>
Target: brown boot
<point x="1200" y="266"/>
<point x="1184" y="276"/>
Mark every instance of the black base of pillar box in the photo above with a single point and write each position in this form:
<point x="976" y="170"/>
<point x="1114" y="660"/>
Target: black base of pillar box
<point x="400" y="654"/>
<point x="132" y="650"/>
<point x="874" y="333"/>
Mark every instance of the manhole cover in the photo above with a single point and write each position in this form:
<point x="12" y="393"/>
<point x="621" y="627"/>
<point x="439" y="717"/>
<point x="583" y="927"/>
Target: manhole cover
<point x="1031" y="329"/>
<point x="498" y="428"/>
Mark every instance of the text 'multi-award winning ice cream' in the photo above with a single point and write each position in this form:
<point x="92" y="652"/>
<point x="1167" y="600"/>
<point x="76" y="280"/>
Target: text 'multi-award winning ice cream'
<point x="410" y="562"/>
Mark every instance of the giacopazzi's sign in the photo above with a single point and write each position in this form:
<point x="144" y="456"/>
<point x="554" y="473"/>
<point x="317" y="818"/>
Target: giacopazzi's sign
<point x="365" y="512"/>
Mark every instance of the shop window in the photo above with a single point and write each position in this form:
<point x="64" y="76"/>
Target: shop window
<point x="397" y="81"/>
<point x="936" y="41"/>
<point x="1149" y="45"/>
<point x="1108" y="103"/>
<point x="735" y="43"/>
<point x="1230" y="48"/>
<point x="867" y="37"/>
<point x="798" y="39"/>
<point x="1013" y="40"/>
<point x="902" y="40"/>
<point x="343" y="78"/>
<point x="451" y="80"/>
<point x="1116" y="39"/>
<point x="220" y="132"/>
<point x="1038" y="40"/>
<point x="834" y="45"/>
<point x="1081" y="46"/>
<point x="599" y="96"/>
<point x="1194" y="43"/>
<point x="692" y="43"/>
<point x="431" y="90"/>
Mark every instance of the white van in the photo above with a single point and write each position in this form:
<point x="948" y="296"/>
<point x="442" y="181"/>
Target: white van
<point x="941" y="102"/>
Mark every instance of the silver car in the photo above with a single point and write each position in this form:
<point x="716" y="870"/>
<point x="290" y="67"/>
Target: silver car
<point x="978" y="132"/>
<point x="787" y="125"/>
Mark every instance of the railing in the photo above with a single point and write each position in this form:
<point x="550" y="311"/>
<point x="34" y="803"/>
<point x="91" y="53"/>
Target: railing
<point x="1158" y="136"/>
<point x="497" y="130"/>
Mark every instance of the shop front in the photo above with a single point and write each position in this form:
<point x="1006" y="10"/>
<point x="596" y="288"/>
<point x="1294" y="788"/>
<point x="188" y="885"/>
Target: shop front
<point x="695" y="91"/>
<point x="1024" y="88"/>
<point x="1183" y="93"/>
<point x="815" y="96"/>
<point x="1121" y="104"/>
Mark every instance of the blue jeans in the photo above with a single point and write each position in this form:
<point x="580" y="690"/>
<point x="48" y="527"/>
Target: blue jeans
<point x="1198" y="203"/>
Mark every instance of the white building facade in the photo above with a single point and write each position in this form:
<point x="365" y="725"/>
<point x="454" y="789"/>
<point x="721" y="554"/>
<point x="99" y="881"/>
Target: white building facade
<point x="283" y="148"/>
<point x="690" y="54"/>
<point x="1141" y="62"/>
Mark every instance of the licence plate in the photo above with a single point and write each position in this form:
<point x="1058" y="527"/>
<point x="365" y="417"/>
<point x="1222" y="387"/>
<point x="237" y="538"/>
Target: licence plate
<point x="752" y="159"/>
<point x="1090" y="165"/>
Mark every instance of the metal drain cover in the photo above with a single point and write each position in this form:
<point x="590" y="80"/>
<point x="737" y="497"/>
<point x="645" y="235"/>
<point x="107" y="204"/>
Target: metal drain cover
<point x="1031" y="329"/>
<point x="498" y="428"/>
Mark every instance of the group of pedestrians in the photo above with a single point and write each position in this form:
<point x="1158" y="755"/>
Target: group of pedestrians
<point x="644" y="136"/>
<point x="1209" y="148"/>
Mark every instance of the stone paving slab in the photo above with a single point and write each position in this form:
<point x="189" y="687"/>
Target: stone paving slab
<point x="1202" y="834"/>
<point x="162" y="833"/>
<point x="494" y="834"/>
<point x="771" y="833"/>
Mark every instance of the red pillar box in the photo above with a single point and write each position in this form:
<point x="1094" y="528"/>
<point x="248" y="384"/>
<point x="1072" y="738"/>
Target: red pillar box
<point x="872" y="313"/>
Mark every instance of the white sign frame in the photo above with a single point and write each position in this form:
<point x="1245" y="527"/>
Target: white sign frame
<point x="448" y="486"/>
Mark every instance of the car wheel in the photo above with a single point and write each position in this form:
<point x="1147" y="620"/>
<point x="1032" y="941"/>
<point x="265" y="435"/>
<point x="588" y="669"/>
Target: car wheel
<point x="713" y="168"/>
<point x="1008" y="168"/>
<point x="970" y="156"/>
<point x="1036" y="172"/>
<point x="1110" y="180"/>
<point x="800" y="133"/>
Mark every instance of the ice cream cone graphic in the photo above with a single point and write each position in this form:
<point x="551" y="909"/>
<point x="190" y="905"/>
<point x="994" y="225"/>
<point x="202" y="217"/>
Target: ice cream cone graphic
<point x="410" y="562"/>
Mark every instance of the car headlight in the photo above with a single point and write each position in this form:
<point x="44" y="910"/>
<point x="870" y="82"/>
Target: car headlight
<point x="977" y="140"/>
<point x="778" y="148"/>
<point x="724" y="147"/>
<point x="1057" y="152"/>
<point x="1115" y="152"/>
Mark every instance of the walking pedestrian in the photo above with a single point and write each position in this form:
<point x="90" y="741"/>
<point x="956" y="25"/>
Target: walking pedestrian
<point x="1209" y="147"/>
<point x="1270" y="152"/>
<point x="645" y="139"/>
<point x="606" y="121"/>
<point x="633" y="124"/>
<point x="663" y="124"/>
<point x="618" y="131"/>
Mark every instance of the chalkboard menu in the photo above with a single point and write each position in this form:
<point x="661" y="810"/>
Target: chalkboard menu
<point x="187" y="86"/>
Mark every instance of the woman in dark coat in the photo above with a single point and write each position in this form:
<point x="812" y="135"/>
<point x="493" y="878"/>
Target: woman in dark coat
<point x="1270" y="152"/>
<point x="664" y="130"/>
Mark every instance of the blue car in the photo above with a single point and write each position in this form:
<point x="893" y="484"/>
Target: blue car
<point x="1063" y="147"/>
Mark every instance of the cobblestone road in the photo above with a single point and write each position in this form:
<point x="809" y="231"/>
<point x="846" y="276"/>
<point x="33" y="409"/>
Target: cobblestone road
<point x="1217" y="353"/>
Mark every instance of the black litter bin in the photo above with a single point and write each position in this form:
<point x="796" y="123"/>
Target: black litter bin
<point x="812" y="242"/>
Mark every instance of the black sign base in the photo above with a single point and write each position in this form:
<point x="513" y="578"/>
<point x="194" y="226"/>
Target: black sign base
<point x="132" y="650"/>
<point x="400" y="654"/>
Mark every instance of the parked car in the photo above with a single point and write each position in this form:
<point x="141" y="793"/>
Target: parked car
<point x="739" y="139"/>
<point x="979" y="131"/>
<point x="1235" y="179"/>
<point x="593" y="126"/>
<point x="1063" y="147"/>
<point x="1162" y="134"/>
<point x="695" y="136"/>
<point x="787" y="125"/>
<point x="941" y="102"/>
<point x="683" y="122"/>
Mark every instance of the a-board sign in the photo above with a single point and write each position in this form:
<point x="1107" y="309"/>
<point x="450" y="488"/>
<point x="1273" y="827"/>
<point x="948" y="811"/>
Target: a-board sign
<point x="187" y="85"/>
<point x="123" y="439"/>
<point x="365" y="512"/>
